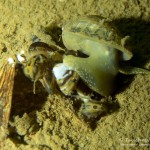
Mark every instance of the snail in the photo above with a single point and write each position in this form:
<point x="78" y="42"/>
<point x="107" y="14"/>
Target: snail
<point x="40" y="60"/>
<point x="99" y="39"/>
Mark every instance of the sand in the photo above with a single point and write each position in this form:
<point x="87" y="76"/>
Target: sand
<point x="41" y="121"/>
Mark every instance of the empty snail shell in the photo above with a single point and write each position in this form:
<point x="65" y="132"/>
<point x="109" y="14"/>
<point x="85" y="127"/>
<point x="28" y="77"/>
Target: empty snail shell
<point x="100" y="40"/>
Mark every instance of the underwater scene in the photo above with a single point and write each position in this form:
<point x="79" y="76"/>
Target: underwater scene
<point x="74" y="74"/>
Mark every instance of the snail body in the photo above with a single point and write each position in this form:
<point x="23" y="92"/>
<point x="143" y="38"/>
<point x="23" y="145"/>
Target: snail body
<point x="100" y="40"/>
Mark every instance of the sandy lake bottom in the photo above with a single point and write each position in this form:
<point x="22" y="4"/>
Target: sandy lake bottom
<point x="41" y="121"/>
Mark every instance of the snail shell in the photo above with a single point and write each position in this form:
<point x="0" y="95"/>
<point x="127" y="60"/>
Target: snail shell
<point x="97" y="38"/>
<point x="41" y="58"/>
<point x="93" y="109"/>
<point x="65" y="78"/>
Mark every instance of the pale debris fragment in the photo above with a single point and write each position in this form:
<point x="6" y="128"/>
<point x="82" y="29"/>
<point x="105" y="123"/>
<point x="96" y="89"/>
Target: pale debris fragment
<point x="20" y="57"/>
<point x="11" y="61"/>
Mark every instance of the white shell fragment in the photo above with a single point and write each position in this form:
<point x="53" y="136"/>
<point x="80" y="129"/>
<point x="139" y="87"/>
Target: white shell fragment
<point x="20" y="57"/>
<point x="11" y="61"/>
